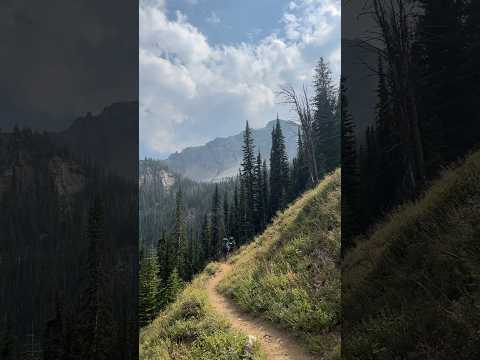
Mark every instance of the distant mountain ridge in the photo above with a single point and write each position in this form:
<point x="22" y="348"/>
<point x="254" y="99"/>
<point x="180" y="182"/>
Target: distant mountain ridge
<point x="221" y="157"/>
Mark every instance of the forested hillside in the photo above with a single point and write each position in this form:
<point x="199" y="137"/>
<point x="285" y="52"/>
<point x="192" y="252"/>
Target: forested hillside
<point x="290" y="274"/>
<point x="184" y="224"/>
<point x="412" y="286"/>
<point x="66" y="250"/>
<point x="424" y="108"/>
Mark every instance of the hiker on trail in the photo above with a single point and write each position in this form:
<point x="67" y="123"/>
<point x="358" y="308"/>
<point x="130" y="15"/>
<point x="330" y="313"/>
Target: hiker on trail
<point x="228" y="245"/>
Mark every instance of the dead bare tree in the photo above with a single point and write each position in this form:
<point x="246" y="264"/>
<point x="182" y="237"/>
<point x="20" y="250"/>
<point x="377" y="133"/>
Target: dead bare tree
<point x="301" y="105"/>
<point x="395" y="21"/>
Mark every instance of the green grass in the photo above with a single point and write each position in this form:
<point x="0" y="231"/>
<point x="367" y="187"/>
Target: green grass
<point x="190" y="330"/>
<point x="290" y="273"/>
<point x="412" y="289"/>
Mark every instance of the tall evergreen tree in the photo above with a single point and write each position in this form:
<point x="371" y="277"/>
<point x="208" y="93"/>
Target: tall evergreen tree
<point x="165" y="256"/>
<point x="265" y="193"/>
<point x="216" y="236"/>
<point x="350" y="191"/>
<point x="259" y="206"/>
<point x="226" y="215"/>
<point x="243" y="226"/>
<point x="96" y="307"/>
<point x="180" y="237"/>
<point x="205" y="239"/>
<point x="279" y="170"/>
<point x="235" y="215"/>
<point x="174" y="286"/>
<point x="326" y="125"/>
<point x="300" y="176"/>
<point x="248" y="179"/>
<point x="148" y="286"/>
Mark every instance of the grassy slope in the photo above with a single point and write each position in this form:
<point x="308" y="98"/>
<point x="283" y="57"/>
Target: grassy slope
<point x="412" y="289"/>
<point x="290" y="274"/>
<point x="190" y="330"/>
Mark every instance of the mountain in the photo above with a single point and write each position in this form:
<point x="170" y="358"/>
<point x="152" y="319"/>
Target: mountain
<point x="221" y="157"/>
<point x="106" y="138"/>
<point x="410" y="289"/>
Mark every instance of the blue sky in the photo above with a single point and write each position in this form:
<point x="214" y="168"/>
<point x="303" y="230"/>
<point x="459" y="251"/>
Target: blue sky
<point x="207" y="66"/>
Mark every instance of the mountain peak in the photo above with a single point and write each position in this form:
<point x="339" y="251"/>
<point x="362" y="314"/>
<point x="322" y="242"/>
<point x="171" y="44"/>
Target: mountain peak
<point x="221" y="157"/>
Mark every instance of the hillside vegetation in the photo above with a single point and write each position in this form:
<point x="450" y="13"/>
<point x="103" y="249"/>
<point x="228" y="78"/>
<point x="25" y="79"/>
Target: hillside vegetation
<point x="290" y="273"/>
<point x="189" y="329"/>
<point x="412" y="289"/>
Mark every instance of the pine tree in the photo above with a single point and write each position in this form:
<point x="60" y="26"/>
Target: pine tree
<point x="165" y="256"/>
<point x="259" y="206"/>
<point x="216" y="235"/>
<point x="243" y="226"/>
<point x="96" y="308"/>
<point x="180" y="237"/>
<point x="174" y="286"/>
<point x="279" y="170"/>
<point x="350" y="190"/>
<point x="265" y="193"/>
<point x="300" y="176"/>
<point x="325" y="125"/>
<point x="226" y="214"/>
<point x="205" y="240"/>
<point x="148" y="286"/>
<point x="248" y="180"/>
<point x="235" y="214"/>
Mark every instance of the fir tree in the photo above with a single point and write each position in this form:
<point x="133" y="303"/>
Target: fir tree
<point x="96" y="325"/>
<point x="174" y="286"/>
<point x="248" y="180"/>
<point x="216" y="236"/>
<point x="180" y="237"/>
<point x="148" y="286"/>
<point x="243" y="226"/>
<point x="205" y="239"/>
<point x="326" y="125"/>
<point x="350" y="191"/>
<point x="234" y="214"/>
<point x="259" y="206"/>
<point x="226" y="214"/>
<point x="265" y="193"/>
<point x="279" y="170"/>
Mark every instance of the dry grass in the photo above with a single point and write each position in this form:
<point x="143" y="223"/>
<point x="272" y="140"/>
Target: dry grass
<point x="189" y="329"/>
<point x="290" y="273"/>
<point x="411" y="290"/>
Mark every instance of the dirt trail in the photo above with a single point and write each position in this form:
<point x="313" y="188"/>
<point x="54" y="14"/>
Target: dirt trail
<point x="277" y="344"/>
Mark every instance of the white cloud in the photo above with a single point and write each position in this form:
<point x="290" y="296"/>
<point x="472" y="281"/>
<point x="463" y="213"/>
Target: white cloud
<point x="312" y="21"/>
<point x="191" y="91"/>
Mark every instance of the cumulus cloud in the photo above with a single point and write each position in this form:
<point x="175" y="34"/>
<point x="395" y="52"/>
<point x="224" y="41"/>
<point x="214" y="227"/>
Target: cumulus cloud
<point x="192" y="91"/>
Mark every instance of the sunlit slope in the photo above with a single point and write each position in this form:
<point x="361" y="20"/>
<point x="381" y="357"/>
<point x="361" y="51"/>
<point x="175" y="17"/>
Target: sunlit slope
<point x="411" y="290"/>
<point x="189" y="329"/>
<point x="290" y="273"/>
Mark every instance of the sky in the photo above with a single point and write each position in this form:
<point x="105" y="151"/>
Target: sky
<point x="62" y="59"/>
<point x="207" y="66"/>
